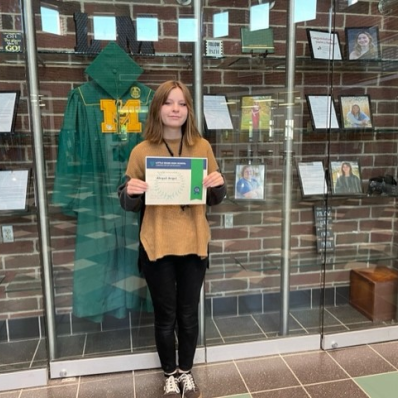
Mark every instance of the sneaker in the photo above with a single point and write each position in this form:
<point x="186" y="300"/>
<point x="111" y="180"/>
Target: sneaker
<point x="188" y="386"/>
<point x="171" y="389"/>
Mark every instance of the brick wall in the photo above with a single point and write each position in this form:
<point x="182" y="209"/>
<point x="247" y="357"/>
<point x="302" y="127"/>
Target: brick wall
<point x="246" y="257"/>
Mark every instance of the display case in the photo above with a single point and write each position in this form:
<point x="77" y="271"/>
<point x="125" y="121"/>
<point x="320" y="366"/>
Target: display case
<point x="281" y="253"/>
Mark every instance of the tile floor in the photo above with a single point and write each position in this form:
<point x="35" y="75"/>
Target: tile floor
<point x="355" y="372"/>
<point x="364" y="371"/>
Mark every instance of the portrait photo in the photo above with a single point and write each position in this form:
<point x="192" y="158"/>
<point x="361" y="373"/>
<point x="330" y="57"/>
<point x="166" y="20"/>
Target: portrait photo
<point x="249" y="181"/>
<point x="362" y="43"/>
<point x="345" y="177"/>
<point x="356" y="112"/>
<point x="255" y="112"/>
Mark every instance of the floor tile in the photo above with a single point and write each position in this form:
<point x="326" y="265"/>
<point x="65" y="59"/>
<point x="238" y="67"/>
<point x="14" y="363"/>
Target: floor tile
<point x="360" y="361"/>
<point x="148" y="384"/>
<point x="71" y="346"/>
<point x="50" y="392"/>
<point x="237" y="326"/>
<point x="389" y="351"/>
<point x="219" y="380"/>
<point x="266" y="374"/>
<point x="379" y="386"/>
<point x="14" y="394"/>
<point x="105" y="342"/>
<point x="336" y="389"/>
<point x="120" y="387"/>
<point x="293" y="392"/>
<point x="319" y="367"/>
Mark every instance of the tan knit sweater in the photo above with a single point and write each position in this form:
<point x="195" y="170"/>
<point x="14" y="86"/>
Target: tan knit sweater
<point x="170" y="230"/>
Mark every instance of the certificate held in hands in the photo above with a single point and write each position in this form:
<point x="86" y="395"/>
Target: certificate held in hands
<point x="175" y="181"/>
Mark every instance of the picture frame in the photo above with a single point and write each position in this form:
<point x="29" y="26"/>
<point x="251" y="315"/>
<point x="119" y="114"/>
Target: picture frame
<point x="250" y="181"/>
<point x="356" y="112"/>
<point x="324" y="45"/>
<point x="255" y="112"/>
<point x="345" y="177"/>
<point x="312" y="178"/>
<point x="323" y="112"/>
<point x="362" y="43"/>
<point x="8" y="110"/>
<point x="14" y="186"/>
<point x="216" y="112"/>
<point x="259" y="41"/>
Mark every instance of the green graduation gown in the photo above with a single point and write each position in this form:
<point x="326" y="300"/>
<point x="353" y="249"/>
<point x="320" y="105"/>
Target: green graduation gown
<point x="102" y="123"/>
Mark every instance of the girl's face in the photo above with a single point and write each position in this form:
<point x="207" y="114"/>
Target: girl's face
<point x="355" y="109"/>
<point x="363" y="40"/>
<point x="174" y="111"/>
<point x="346" y="169"/>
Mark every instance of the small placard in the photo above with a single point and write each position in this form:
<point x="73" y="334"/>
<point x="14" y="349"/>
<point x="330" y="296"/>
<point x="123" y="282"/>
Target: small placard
<point x="214" y="48"/>
<point x="323" y="227"/>
<point x="12" y="42"/>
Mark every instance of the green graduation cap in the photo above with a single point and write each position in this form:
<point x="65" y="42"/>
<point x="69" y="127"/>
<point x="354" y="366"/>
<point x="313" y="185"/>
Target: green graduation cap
<point x="114" y="70"/>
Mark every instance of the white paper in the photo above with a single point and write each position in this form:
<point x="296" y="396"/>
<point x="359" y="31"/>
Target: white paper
<point x="216" y="112"/>
<point x="312" y="177"/>
<point x="325" y="45"/>
<point x="323" y="112"/>
<point x="7" y="110"/>
<point x="13" y="189"/>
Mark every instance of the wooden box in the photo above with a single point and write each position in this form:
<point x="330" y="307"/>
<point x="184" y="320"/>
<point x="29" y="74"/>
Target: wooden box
<point x="373" y="292"/>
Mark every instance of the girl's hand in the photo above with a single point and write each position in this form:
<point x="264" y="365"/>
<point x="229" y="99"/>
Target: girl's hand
<point x="214" y="179"/>
<point x="136" y="187"/>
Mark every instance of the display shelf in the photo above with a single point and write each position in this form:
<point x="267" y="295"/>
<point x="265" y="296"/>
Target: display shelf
<point x="234" y="62"/>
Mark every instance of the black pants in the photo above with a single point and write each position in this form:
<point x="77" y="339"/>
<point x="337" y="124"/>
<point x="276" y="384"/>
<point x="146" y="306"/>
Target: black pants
<point x="175" y="283"/>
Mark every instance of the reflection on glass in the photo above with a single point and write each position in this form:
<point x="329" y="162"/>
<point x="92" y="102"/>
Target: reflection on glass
<point x="147" y="29"/>
<point x="305" y="10"/>
<point x="104" y="28"/>
<point x="220" y="24"/>
<point x="259" y="17"/>
<point x="50" y="20"/>
<point x="187" y="29"/>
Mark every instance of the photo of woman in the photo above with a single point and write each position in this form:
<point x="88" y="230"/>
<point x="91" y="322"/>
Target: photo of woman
<point x="249" y="182"/>
<point x="362" y="43"/>
<point x="346" y="177"/>
<point x="356" y="112"/>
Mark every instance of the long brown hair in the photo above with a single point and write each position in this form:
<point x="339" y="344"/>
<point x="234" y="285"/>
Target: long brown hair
<point x="154" y="127"/>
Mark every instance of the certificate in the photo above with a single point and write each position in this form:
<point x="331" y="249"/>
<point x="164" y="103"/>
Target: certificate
<point x="312" y="177"/>
<point x="13" y="189"/>
<point x="175" y="181"/>
<point x="8" y="109"/>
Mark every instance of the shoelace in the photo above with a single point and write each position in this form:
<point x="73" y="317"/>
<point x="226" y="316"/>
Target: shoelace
<point x="186" y="379"/>
<point x="171" y="385"/>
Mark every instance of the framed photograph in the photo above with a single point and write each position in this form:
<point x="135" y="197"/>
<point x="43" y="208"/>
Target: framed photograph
<point x="324" y="44"/>
<point x="8" y="110"/>
<point x="323" y="112"/>
<point x="345" y="176"/>
<point x="356" y="112"/>
<point x="255" y="112"/>
<point x="312" y="178"/>
<point x="249" y="181"/>
<point x="13" y="189"/>
<point x="363" y="43"/>
<point x="216" y="112"/>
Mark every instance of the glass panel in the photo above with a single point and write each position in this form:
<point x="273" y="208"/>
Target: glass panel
<point x="244" y="287"/>
<point x="22" y="333"/>
<point x="362" y="267"/>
